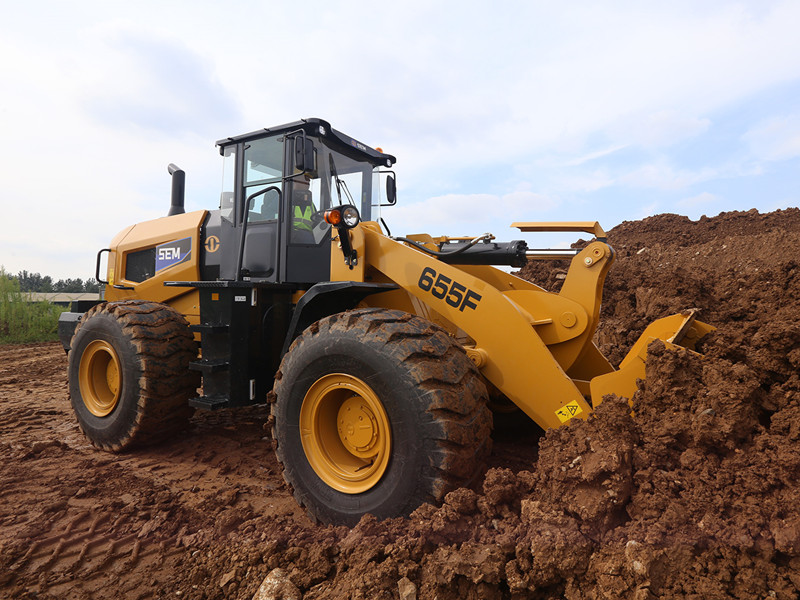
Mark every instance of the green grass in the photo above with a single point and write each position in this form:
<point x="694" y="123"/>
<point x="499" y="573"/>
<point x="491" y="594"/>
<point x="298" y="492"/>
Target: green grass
<point x="22" y="321"/>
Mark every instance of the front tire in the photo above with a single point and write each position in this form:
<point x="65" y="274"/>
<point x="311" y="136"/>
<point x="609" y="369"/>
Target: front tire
<point x="129" y="378"/>
<point x="378" y="411"/>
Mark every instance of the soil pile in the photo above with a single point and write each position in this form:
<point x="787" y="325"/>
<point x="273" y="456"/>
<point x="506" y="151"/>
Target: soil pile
<point x="694" y="497"/>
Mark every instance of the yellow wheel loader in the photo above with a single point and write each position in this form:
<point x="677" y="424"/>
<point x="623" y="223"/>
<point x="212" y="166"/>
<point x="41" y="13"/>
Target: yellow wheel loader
<point x="375" y="351"/>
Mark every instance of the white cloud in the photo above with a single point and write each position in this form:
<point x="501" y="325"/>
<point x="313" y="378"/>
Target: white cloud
<point x="658" y="129"/>
<point x="647" y="210"/>
<point x="702" y="199"/>
<point x="468" y="214"/>
<point x="157" y="83"/>
<point x="662" y="175"/>
<point x="777" y="138"/>
<point x="591" y="156"/>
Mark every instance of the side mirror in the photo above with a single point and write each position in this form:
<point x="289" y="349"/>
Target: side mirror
<point x="303" y="154"/>
<point x="391" y="190"/>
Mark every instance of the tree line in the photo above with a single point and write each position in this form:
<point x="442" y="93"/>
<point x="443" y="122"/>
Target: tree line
<point x="36" y="282"/>
<point x="22" y="321"/>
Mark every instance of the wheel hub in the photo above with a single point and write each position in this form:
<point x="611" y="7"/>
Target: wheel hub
<point x="345" y="433"/>
<point x="358" y="427"/>
<point x="100" y="378"/>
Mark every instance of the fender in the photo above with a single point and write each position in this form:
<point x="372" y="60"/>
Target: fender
<point x="324" y="299"/>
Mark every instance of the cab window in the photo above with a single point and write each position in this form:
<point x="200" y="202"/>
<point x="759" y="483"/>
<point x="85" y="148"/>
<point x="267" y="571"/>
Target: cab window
<point x="263" y="167"/>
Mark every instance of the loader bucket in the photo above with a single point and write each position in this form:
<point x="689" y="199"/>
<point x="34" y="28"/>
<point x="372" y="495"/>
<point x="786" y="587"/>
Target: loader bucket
<point x="679" y="330"/>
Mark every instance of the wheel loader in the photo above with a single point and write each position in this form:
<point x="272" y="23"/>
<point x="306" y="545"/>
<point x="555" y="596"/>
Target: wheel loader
<point x="376" y="353"/>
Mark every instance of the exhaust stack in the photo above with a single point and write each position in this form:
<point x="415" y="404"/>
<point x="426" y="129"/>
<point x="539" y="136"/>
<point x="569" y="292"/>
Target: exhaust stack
<point x="178" y="190"/>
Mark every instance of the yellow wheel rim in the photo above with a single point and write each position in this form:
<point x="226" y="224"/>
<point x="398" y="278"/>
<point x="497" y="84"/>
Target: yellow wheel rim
<point x="100" y="378"/>
<point x="345" y="433"/>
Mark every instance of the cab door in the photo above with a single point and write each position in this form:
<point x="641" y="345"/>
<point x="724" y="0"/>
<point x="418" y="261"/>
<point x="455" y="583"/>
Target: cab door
<point x="308" y="251"/>
<point x="260" y="205"/>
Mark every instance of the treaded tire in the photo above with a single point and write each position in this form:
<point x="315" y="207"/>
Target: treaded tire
<point x="153" y="346"/>
<point x="433" y="396"/>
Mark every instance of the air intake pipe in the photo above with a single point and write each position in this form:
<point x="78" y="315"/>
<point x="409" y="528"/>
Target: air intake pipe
<point x="178" y="190"/>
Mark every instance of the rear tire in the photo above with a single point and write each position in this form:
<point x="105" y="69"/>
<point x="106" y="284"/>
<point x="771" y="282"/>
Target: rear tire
<point x="129" y="378"/>
<point x="378" y="411"/>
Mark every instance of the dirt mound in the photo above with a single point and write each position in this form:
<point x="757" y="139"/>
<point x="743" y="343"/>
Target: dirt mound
<point x="694" y="496"/>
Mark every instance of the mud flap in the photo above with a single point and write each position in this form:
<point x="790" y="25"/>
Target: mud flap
<point x="680" y="330"/>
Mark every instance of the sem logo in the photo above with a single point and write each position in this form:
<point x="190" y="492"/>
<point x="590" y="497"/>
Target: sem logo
<point x="173" y="253"/>
<point x="169" y="253"/>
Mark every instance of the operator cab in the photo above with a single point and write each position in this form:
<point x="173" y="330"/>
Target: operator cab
<point x="277" y="185"/>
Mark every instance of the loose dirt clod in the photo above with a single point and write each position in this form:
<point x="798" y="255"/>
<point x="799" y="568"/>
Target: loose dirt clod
<point x="694" y="496"/>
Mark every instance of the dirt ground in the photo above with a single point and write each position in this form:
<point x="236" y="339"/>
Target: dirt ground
<point x="694" y="497"/>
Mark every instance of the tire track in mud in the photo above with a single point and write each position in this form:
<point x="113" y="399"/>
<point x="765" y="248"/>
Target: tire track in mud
<point x="82" y="544"/>
<point x="75" y="520"/>
<point x="60" y="522"/>
<point x="31" y="365"/>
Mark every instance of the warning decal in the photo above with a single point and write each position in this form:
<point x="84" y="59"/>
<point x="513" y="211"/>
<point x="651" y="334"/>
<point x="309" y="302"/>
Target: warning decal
<point x="566" y="412"/>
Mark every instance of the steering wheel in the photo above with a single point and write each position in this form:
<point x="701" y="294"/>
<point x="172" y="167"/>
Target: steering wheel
<point x="317" y="217"/>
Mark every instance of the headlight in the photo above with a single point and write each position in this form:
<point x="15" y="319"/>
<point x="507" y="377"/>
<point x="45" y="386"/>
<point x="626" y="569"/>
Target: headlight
<point x="350" y="216"/>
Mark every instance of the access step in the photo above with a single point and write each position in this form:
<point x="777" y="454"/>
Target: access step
<point x="206" y="328"/>
<point x="207" y="367"/>
<point x="209" y="402"/>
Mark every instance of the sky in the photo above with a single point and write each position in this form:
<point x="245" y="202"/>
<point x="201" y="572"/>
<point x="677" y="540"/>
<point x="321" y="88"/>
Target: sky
<point x="497" y="112"/>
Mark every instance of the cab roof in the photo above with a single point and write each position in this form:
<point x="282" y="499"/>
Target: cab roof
<point x="314" y="127"/>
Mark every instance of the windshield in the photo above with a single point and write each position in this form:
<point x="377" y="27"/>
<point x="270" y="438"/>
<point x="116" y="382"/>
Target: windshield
<point x="342" y="180"/>
<point x="337" y="179"/>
